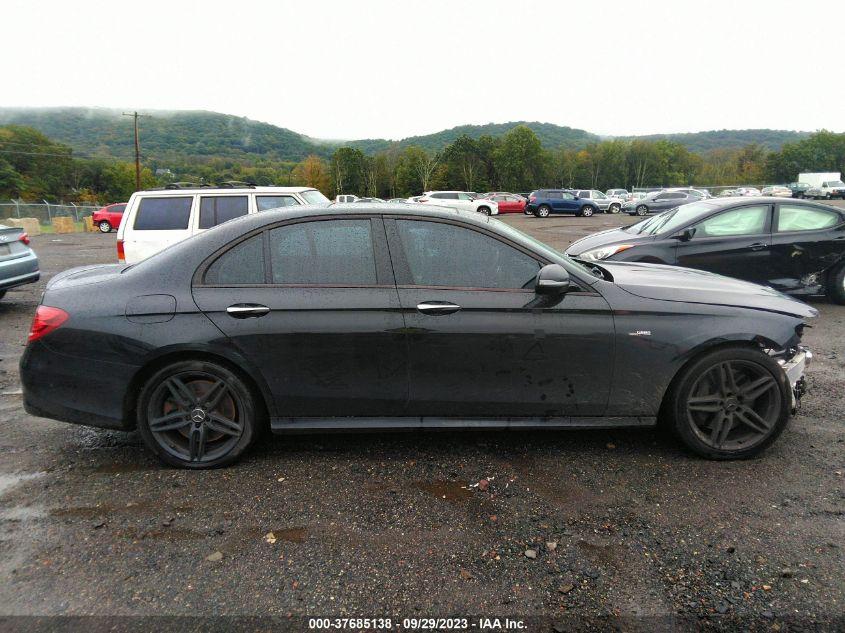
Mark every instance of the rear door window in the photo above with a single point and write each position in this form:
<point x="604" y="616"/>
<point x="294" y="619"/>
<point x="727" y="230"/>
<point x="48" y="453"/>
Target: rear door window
<point x="801" y="218"/>
<point x="163" y="214"/>
<point x="326" y="252"/>
<point x="215" y="210"/>
<point x="263" y="203"/>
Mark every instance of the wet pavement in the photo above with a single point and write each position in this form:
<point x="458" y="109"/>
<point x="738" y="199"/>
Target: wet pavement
<point x="621" y="523"/>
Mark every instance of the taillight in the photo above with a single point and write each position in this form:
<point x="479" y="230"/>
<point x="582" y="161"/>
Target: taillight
<point x="121" y="255"/>
<point x="45" y="321"/>
<point x="24" y="238"/>
<point x="423" y="200"/>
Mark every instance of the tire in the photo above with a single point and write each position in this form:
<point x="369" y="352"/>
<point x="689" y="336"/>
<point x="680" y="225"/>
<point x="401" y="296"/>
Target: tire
<point x="484" y="210"/>
<point x="104" y="226"/>
<point x="731" y="403"/>
<point x="2" y="293"/>
<point x="614" y="208"/>
<point x="587" y="211"/>
<point x="170" y="405"/>
<point x="543" y="211"/>
<point x="827" y="196"/>
<point x="835" y="285"/>
<point x="642" y="210"/>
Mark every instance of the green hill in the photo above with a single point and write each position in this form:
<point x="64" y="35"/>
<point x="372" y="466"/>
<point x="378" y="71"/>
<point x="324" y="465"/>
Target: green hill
<point x="200" y="134"/>
<point x="727" y="139"/>
<point x="550" y="135"/>
<point x="164" y="134"/>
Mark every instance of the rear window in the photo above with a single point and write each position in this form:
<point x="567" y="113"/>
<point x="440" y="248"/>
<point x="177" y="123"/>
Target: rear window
<point x="274" y="202"/>
<point x="215" y="210"/>
<point x="313" y="196"/>
<point x="117" y="208"/>
<point x="163" y="214"/>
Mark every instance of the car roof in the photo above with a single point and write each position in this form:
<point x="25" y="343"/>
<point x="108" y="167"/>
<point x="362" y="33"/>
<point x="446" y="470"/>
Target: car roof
<point x="221" y="190"/>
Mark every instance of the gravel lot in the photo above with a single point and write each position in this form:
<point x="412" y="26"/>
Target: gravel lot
<point x="621" y="524"/>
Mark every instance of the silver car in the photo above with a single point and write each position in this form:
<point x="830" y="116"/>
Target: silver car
<point x="602" y="201"/>
<point x="18" y="263"/>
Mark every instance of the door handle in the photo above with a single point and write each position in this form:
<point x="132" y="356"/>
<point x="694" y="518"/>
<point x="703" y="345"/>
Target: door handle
<point x="247" y="310"/>
<point x="437" y="308"/>
<point x="758" y="246"/>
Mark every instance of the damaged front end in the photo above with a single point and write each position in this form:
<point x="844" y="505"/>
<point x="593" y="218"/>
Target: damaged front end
<point x="793" y="366"/>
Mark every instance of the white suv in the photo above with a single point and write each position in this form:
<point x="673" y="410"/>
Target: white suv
<point x="155" y="219"/>
<point x="460" y="200"/>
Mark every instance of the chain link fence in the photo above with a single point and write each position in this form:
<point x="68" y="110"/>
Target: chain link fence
<point x="45" y="212"/>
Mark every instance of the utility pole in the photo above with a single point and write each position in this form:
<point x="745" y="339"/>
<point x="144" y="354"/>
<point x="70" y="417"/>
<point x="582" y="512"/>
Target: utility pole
<point x="135" y="116"/>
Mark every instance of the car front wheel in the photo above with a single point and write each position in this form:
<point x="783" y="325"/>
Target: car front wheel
<point x="731" y="403"/>
<point x="543" y="211"/>
<point x="197" y="415"/>
<point x="642" y="210"/>
<point x="104" y="226"/>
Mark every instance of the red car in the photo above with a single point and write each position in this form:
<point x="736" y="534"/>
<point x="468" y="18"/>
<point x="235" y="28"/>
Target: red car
<point x="108" y="217"/>
<point x="508" y="202"/>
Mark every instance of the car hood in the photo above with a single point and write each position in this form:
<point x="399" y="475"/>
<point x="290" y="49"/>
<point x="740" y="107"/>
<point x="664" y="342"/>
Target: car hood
<point x="84" y="275"/>
<point x="605" y="238"/>
<point x="672" y="283"/>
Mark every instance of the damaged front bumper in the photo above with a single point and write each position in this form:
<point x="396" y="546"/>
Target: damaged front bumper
<point x="794" y="369"/>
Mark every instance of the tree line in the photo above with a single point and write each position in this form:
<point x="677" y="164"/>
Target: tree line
<point x="33" y="167"/>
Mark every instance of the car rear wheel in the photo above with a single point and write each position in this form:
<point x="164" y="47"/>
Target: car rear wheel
<point x="614" y="208"/>
<point x="642" y="209"/>
<point x="543" y="211"/>
<point x="835" y="285"/>
<point x="484" y="210"/>
<point x="197" y="415"/>
<point x="587" y="211"/>
<point x="730" y="404"/>
<point x="104" y="226"/>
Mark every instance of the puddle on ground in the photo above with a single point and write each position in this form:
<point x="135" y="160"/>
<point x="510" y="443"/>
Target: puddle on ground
<point x="448" y="490"/>
<point x="10" y="480"/>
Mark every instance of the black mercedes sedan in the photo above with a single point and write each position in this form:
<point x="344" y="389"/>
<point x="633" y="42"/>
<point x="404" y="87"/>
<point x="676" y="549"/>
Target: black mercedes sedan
<point x="795" y="246"/>
<point x="384" y="316"/>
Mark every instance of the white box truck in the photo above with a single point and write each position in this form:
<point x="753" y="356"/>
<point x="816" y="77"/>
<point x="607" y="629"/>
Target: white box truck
<point x="825" y="185"/>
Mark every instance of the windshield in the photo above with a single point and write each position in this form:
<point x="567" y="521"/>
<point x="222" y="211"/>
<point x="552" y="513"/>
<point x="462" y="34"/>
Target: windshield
<point x="312" y="196"/>
<point x="542" y="247"/>
<point x="670" y="220"/>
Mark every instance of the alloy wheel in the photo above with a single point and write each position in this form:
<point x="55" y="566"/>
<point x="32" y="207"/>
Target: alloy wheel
<point x="642" y="209"/>
<point x="195" y="416"/>
<point x="615" y="208"/>
<point x="104" y="227"/>
<point x="587" y="212"/>
<point x="543" y="212"/>
<point x="734" y="405"/>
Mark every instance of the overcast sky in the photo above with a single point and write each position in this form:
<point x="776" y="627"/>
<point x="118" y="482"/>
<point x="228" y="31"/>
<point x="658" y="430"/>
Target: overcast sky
<point x="397" y="68"/>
